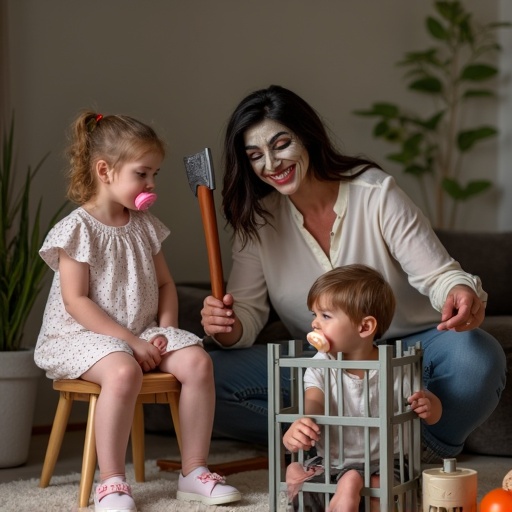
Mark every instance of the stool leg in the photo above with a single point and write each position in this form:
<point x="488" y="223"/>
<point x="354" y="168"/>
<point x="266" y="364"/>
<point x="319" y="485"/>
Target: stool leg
<point x="138" y="443"/>
<point x="174" y="403"/>
<point x="56" y="436"/>
<point x="89" y="458"/>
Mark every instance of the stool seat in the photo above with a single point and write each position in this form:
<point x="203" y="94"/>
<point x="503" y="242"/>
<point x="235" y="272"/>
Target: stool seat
<point x="157" y="388"/>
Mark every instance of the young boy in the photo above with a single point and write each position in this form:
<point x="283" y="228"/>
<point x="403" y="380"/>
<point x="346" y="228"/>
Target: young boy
<point x="352" y="306"/>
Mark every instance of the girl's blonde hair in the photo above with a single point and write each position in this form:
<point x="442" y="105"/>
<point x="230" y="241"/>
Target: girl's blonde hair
<point x="116" y="139"/>
<point x="358" y="291"/>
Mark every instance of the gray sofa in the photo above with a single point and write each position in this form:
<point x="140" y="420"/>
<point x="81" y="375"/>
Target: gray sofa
<point x="488" y="255"/>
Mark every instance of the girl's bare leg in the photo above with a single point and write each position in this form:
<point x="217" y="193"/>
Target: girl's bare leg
<point x="193" y="367"/>
<point x="120" y="378"/>
<point x="348" y="493"/>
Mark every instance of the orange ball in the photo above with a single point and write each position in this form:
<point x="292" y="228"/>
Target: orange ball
<point x="497" y="500"/>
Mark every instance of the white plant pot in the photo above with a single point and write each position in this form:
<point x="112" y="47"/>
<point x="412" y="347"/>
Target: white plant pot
<point x="19" y="377"/>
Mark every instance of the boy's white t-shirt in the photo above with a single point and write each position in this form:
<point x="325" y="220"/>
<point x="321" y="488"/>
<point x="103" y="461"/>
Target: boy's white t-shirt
<point x="354" y="406"/>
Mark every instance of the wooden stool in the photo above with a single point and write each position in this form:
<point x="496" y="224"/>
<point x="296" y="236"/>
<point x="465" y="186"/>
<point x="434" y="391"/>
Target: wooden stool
<point x="157" y="388"/>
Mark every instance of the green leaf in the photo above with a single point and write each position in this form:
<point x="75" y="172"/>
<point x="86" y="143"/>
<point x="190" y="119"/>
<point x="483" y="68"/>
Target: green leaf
<point x="432" y="123"/>
<point x="460" y="193"/>
<point x="381" y="129"/>
<point x="428" y="84"/>
<point x="467" y="139"/>
<point x="396" y="157"/>
<point x="412" y="144"/>
<point x="416" y="170"/>
<point x="450" y="11"/>
<point x="452" y="188"/>
<point x="465" y="30"/>
<point x="436" y="29"/>
<point x="477" y="72"/>
<point x="407" y="155"/>
<point x="492" y="46"/>
<point x="423" y="57"/>
<point x="393" y="135"/>
<point x="384" y="109"/>
<point x="479" y="93"/>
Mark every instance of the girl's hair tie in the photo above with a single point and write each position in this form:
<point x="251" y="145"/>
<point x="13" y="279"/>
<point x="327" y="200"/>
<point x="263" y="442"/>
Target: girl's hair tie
<point x="93" y="122"/>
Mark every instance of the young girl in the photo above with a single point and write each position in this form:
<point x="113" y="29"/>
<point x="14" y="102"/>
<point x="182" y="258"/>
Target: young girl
<point x="112" y="312"/>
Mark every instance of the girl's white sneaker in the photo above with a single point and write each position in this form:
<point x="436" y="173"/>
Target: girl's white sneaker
<point x="206" y="487"/>
<point x="114" y="495"/>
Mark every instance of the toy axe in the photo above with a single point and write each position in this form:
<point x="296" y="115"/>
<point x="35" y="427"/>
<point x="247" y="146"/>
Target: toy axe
<point x="201" y="179"/>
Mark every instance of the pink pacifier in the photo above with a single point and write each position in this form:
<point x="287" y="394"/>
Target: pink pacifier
<point x="144" y="200"/>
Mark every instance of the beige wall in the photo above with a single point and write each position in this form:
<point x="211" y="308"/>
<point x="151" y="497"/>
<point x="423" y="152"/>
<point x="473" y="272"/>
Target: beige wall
<point x="183" y="66"/>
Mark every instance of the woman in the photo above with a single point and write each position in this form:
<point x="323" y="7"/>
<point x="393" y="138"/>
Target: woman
<point x="298" y="208"/>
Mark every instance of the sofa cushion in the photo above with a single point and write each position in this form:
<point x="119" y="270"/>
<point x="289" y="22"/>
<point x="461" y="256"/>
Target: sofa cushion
<point x="190" y="303"/>
<point x="488" y="256"/>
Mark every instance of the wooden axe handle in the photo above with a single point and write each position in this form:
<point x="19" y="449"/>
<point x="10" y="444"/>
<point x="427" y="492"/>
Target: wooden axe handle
<point x="211" y="234"/>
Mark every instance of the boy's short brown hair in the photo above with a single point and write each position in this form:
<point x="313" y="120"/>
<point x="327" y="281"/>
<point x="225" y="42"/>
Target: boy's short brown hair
<point x="357" y="290"/>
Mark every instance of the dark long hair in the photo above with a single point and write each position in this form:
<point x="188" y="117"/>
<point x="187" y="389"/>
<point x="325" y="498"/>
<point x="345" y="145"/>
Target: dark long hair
<point x="242" y="189"/>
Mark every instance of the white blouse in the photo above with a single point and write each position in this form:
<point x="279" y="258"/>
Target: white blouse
<point x="377" y="225"/>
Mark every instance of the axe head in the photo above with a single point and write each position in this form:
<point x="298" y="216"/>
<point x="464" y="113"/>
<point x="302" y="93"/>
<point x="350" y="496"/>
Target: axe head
<point x="199" y="169"/>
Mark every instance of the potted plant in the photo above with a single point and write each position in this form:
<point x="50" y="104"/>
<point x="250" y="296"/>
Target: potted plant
<point x="21" y="280"/>
<point x="453" y="72"/>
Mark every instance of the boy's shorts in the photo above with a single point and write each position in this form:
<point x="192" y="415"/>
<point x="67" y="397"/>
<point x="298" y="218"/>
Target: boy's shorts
<point x="314" y="501"/>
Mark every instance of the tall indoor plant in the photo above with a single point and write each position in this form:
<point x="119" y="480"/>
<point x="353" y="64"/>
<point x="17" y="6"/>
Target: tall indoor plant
<point x="21" y="279"/>
<point x="455" y="72"/>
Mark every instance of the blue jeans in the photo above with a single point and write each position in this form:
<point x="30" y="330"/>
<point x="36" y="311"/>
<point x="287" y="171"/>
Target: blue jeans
<point x="241" y="385"/>
<point x="465" y="370"/>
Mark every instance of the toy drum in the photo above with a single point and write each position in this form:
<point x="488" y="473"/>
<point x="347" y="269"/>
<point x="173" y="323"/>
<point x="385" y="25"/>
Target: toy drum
<point x="449" y="489"/>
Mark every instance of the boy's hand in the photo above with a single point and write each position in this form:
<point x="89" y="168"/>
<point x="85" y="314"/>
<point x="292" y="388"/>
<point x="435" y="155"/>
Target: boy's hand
<point x="420" y="404"/>
<point x="302" y="435"/>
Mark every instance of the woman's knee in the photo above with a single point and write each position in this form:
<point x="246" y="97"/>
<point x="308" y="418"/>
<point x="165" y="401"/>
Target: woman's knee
<point x="465" y="368"/>
<point x="474" y="353"/>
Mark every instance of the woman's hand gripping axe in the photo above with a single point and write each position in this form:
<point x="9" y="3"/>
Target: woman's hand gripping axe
<point x="201" y="179"/>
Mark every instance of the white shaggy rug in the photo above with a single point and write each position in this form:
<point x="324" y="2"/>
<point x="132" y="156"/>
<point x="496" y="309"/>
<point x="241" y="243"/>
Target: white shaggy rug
<point x="158" y="493"/>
